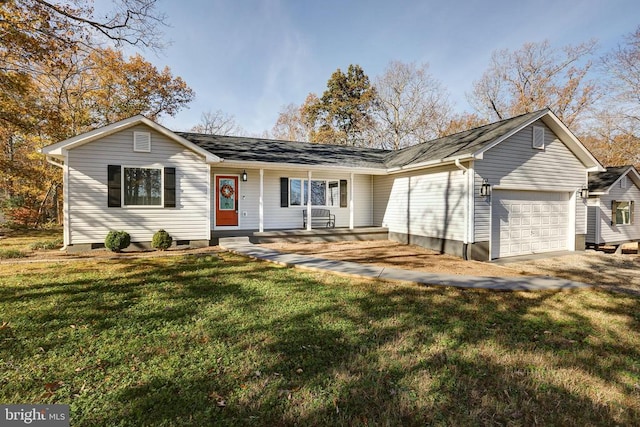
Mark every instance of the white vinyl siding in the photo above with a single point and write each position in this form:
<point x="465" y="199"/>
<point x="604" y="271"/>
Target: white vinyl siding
<point x="593" y="217"/>
<point x="91" y="219"/>
<point x="619" y="233"/>
<point x="514" y="164"/>
<point x="430" y="203"/>
<point x="276" y="217"/>
<point x="382" y="185"/>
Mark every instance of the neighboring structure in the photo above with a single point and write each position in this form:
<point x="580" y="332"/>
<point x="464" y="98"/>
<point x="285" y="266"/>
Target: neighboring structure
<point x="508" y="188"/>
<point x="613" y="206"/>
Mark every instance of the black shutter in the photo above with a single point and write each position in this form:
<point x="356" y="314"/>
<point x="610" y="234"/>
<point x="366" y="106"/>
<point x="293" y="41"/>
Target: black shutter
<point x="343" y="193"/>
<point x="169" y="187"/>
<point x="632" y="212"/>
<point x="284" y="192"/>
<point x="614" y="207"/>
<point x="114" y="184"/>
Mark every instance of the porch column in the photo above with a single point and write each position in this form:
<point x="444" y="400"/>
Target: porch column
<point x="351" y="207"/>
<point x="309" y="200"/>
<point x="261" y="203"/>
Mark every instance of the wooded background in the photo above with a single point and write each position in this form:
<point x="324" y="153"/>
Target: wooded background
<point x="63" y="72"/>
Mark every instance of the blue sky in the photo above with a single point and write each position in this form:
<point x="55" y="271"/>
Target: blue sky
<point x="249" y="58"/>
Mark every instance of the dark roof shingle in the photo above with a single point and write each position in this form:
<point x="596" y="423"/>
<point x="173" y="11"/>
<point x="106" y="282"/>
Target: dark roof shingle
<point x="601" y="181"/>
<point x="304" y="153"/>
<point x="459" y="144"/>
<point x="274" y="151"/>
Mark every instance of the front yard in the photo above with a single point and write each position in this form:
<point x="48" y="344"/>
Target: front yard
<point x="216" y="339"/>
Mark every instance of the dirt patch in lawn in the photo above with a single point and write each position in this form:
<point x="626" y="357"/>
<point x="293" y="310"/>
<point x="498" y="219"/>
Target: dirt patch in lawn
<point x="616" y="272"/>
<point x="390" y="254"/>
<point x="612" y="271"/>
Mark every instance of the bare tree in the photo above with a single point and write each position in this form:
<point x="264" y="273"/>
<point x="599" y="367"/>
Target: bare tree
<point x="461" y="122"/>
<point x="534" y="77"/>
<point x="132" y="22"/>
<point x="614" y="129"/>
<point x="412" y="105"/>
<point x="290" y="125"/>
<point x="217" y="123"/>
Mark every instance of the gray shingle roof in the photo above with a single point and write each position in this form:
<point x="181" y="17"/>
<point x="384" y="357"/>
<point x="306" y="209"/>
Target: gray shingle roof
<point x="601" y="181"/>
<point x="303" y="153"/>
<point x="459" y="144"/>
<point x="274" y="151"/>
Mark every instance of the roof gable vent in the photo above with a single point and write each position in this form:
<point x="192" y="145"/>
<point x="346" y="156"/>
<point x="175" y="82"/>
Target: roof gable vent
<point x="623" y="182"/>
<point x="142" y="142"/>
<point x="538" y="137"/>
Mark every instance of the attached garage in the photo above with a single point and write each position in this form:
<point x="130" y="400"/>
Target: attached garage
<point x="528" y="222"/>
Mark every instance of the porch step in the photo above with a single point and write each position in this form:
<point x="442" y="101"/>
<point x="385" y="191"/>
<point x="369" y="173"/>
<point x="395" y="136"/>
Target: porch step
<point x="294" y="236"/>
<point x="233" y="240"/>
<point x="321" y="235"/>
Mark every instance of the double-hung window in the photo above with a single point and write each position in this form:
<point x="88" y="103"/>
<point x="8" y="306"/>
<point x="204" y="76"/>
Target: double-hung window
<point x="141" y="186"/>
<point x="622" y="212"/>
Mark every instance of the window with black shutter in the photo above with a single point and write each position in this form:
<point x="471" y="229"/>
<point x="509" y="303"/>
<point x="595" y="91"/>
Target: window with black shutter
<point x="114" y="186"/>
<point x="284" y="192"/>
<point x="169" y="187"/>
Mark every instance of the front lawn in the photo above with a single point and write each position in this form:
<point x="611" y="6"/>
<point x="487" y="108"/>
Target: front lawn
<point x="208" y="340"/>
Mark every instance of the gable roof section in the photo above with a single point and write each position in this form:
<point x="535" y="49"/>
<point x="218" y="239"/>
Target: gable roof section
<point x="57" y="150"/>
<point x="459" y="145"/>
<point x="255" y="150"/>
<point x="602" y="182"/>
<point x="475" y="142"/>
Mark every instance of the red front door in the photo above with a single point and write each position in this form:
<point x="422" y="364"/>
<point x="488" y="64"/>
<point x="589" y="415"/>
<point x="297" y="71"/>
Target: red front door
<point x="227" y="201"/>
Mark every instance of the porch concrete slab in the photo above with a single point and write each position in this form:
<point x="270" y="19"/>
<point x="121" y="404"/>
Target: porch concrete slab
<point x="242" y="246"/>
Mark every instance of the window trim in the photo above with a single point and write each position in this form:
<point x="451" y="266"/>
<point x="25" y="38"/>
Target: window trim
<point x="123" y="189"/>
<point x="615" y="205"/>
<point x="304" y="187"/>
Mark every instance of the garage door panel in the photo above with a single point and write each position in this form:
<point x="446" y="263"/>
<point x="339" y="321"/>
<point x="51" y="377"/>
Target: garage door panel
<point x="527" y="222"/>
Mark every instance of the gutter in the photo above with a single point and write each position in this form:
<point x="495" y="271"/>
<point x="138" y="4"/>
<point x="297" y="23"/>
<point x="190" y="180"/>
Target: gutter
<point x="433" y="163"/>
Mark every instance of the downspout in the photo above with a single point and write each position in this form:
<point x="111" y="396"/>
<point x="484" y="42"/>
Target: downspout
<point x="465" y="243"/>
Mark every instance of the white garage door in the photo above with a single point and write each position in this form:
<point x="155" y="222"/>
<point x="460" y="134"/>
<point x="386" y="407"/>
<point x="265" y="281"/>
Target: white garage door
<point x="527" y="222"/>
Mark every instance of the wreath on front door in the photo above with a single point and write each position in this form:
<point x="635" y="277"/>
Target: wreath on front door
<point x="226" y="191"/>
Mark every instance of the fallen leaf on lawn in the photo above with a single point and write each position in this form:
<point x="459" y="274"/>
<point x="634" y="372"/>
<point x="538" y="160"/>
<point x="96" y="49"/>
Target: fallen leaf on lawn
<point x="51" y="387"/>
<point x="221" y="403"/>
<point x="5" y="325"/>
<point x="285" y="392"/>
<point x="299" y="370"/>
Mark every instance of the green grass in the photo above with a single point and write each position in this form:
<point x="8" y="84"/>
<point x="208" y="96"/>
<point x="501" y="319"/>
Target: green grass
<point x="11" y="253"/>
<point x="27" y="240"/>
<point x="202" y="340"/>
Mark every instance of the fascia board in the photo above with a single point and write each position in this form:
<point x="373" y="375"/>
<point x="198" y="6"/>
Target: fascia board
<point x="294" y="166"/>
<point x="574" y="144"/>
<point x="430" y="164"/>
<point x="56" y="150"/>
